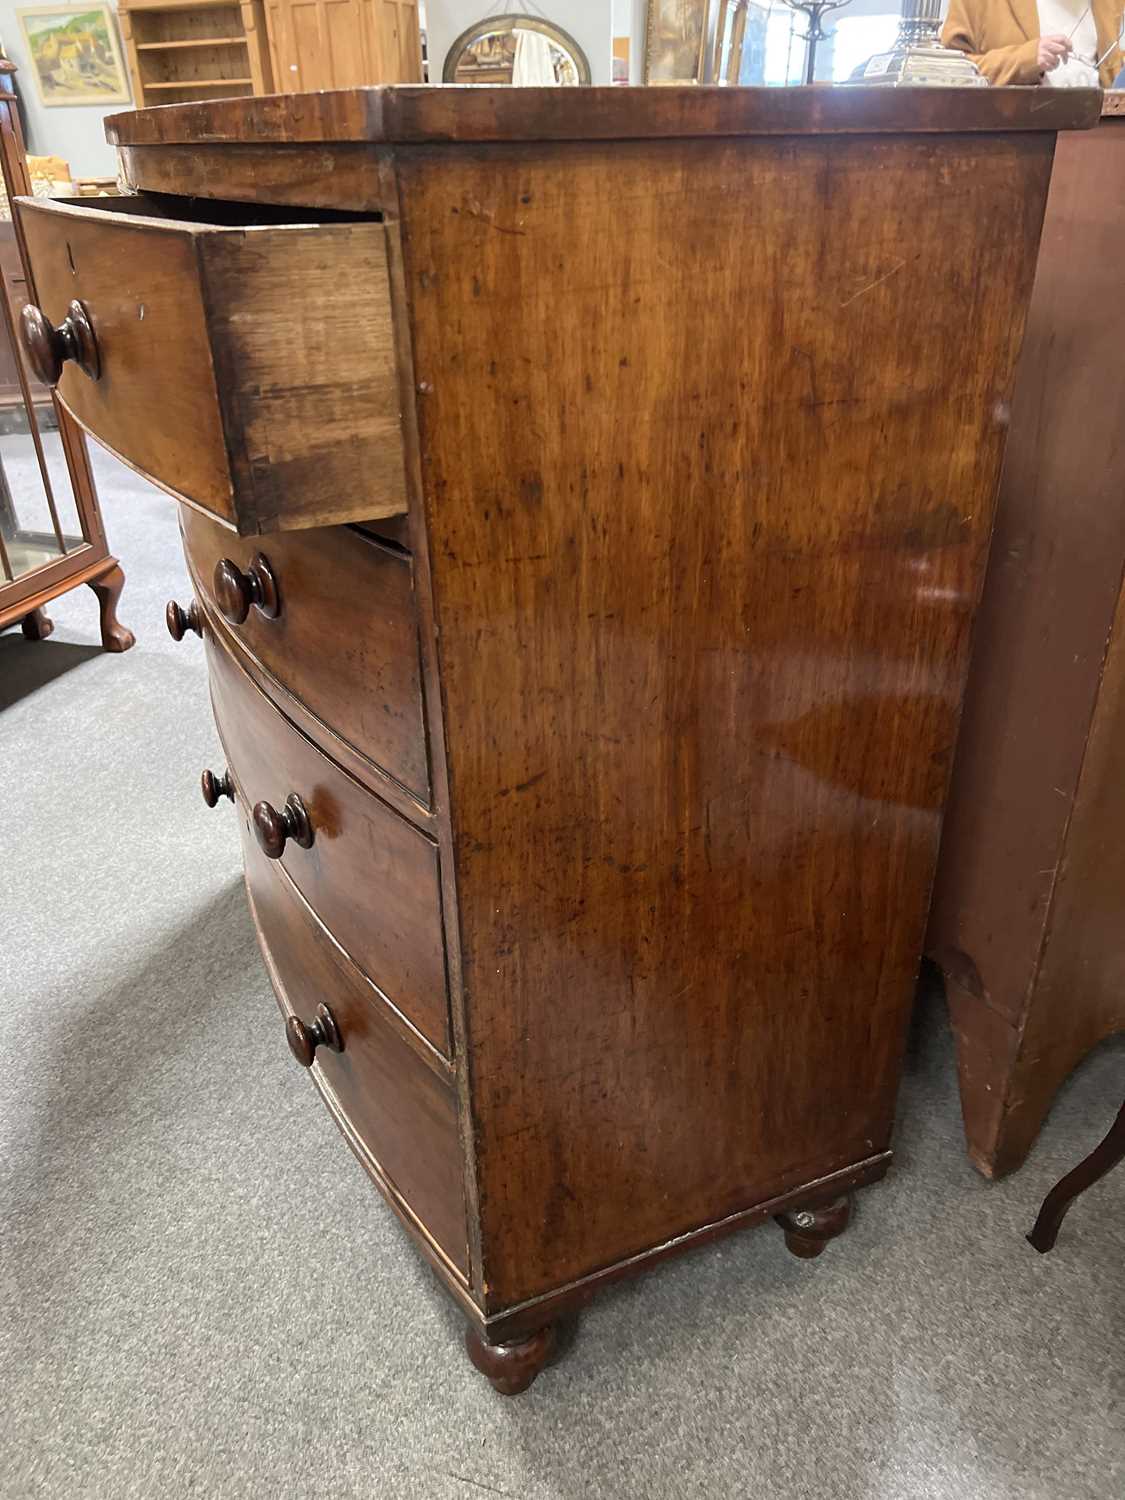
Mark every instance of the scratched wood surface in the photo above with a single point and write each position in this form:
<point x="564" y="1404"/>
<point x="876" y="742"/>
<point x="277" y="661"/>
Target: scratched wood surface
<point x="248" y="368"/>
<point x="1019" y="923"/>
<point x="425" y="114"/>
<point x="710" y="436"/>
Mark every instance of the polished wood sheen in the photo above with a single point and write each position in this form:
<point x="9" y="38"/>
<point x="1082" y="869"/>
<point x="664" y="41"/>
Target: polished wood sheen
<point x="398" y="1107"/>
<point x="808" y="1230"/>
<point x="342" y="651"/>
<point x="235" y="591"/>
<point x="510" y="1367"/>
<point x="48" y="348"/>
<point x="215" y="787"/>
<point x="181" y="622"/>
<point x="274" y="829"/>
<point x="422" y="116"/>
<point x="322" y="1032"/>
<point x="703" y="641"/>
<point x="703" y="401"/>
<point x="371" y="876"/>
<point x="272" y="403"/>
<point x="1027" y="918"/>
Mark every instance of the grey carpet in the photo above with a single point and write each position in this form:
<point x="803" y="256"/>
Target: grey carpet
<point x="201" y="1295"/>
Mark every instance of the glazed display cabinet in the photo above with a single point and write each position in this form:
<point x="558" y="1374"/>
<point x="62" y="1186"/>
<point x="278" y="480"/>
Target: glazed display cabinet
<point x="51" y="533"/>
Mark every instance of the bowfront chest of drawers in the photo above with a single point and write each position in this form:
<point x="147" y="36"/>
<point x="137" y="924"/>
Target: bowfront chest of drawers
<point x="586" y="495"/>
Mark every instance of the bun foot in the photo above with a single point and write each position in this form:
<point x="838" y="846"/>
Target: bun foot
<point x="808" y="1230"/>
<point x="510" y="1367"/>
<point x="36" y="626"/>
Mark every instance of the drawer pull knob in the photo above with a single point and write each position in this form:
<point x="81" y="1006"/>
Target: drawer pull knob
<point x="180" y="621"/>
<point x="236" y="591"/>
<point x="214" y="787"/>
<point x="48" y="348"/>
<point x="304" y="1040"/>
<point x="274" y="829"/>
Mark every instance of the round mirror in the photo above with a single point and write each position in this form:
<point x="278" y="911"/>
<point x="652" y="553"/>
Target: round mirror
<point x="521" y="50"/>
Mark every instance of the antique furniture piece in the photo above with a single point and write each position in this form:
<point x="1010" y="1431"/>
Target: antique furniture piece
<point x="586" y="497"/>
<point x="333" y="44"/>
<point x="51" y="533"/>
<point x="197" y="49"/>
<point x="1027" y="915"/>
<point x="1108" y="1154"/>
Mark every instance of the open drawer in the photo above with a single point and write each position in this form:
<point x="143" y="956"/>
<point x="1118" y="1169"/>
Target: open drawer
<point x="238" y="357"/>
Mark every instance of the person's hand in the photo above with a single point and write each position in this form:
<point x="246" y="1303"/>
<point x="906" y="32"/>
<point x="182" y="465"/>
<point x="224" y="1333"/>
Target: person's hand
<point x="1052" y="50"/>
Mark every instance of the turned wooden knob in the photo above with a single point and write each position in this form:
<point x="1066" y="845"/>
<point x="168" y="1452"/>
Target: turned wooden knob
<point x="236" y="591"/>
<point x="214" y="787"/>
<point x="274" y="829"/>
<point x="48" y="348"/>
<point x="180" y="621"/>
<point x="304" y="1040"/>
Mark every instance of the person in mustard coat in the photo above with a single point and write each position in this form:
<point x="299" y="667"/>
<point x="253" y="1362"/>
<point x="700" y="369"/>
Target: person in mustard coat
<point x="1065" y="43"/>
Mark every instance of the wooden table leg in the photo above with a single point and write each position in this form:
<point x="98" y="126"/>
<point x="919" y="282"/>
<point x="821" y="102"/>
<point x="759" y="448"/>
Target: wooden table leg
<point x="36" y="626"/>
<point x="1084" y="1175"/>
<point x="107" y="586"/>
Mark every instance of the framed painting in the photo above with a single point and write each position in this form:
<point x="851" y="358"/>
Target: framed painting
<point x="75" y="55"/>
<point x="675" y="41"/>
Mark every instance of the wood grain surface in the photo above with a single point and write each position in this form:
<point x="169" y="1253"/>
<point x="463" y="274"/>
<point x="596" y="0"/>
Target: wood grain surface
<point x="1019" y="924"/>
<point x="371" y="878"/>
<point x="710" y="436"/>
<point x="344" y="643"/>
<point x="424" y="114"/>
<point x="342" y="176"/>
<point x="248" y="368"/>
<point x="402" y="1110"/>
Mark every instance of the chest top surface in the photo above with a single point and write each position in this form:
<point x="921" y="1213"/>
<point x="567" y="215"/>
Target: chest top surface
<point x="428" y="115"/>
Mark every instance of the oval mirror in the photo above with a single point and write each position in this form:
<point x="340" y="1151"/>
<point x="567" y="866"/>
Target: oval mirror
<point x="521" y="50"/>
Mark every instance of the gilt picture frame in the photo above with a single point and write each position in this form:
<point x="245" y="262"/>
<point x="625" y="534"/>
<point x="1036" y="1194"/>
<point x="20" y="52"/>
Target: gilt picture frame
<point x="675" y="41"/>
<point x="75" y="55"/>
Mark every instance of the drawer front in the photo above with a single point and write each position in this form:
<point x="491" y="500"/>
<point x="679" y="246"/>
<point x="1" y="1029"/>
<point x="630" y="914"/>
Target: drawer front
<point x="403" y="1114"/>
<point x="343" y="640"/>
<point x="247" y="367"/>
<point x="369" y="875"/>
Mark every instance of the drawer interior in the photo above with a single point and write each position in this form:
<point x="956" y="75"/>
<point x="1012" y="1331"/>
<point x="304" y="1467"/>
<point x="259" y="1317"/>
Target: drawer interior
<point x="184" y="212"/>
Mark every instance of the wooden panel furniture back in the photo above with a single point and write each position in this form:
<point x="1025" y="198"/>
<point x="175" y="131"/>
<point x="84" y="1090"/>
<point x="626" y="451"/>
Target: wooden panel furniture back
<point x="703" y="398"/>
<point x="334" y="44"/>
<point x="1026" y="922"/>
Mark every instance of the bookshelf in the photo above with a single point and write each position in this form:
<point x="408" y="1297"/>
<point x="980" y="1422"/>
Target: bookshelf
<point x="205" y="49"/>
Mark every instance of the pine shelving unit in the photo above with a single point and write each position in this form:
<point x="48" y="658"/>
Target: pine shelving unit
<point x="180" y="50"/>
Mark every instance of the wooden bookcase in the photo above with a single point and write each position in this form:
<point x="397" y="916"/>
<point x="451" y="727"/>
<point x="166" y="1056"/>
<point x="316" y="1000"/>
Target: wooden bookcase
<point x="195" y="49"/>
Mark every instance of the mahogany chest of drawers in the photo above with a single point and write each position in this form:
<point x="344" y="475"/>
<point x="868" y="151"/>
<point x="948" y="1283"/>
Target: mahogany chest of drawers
<point x="586" y="495"/>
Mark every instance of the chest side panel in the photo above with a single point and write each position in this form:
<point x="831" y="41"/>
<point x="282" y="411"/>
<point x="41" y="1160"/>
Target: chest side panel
<point x="710" y="438"/>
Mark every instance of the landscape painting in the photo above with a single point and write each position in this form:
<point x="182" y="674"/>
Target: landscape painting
<point x="75" y="55"/>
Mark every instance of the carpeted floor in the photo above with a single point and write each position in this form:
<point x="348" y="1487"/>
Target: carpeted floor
<point x="203" y="1297"/>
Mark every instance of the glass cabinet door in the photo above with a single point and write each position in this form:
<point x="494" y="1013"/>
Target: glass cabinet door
<point x="39" y="519"/>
